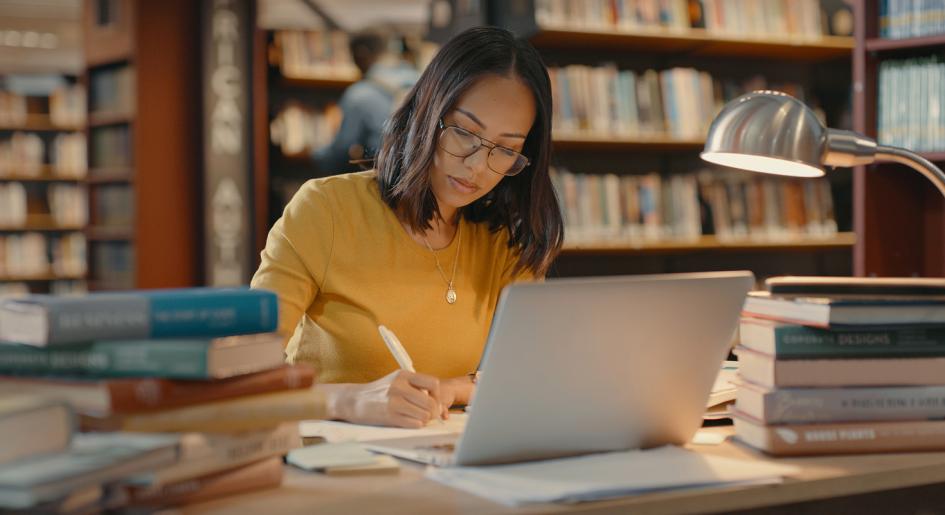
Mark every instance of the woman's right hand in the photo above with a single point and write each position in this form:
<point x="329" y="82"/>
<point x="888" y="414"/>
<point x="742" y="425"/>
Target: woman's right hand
<point x="401" y="399"/>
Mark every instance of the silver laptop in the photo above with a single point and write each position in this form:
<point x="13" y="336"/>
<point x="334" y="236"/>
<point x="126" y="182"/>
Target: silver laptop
<point x="577" y="366"/>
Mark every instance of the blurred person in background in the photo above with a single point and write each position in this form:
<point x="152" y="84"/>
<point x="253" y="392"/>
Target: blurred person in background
<point x="368" y="104"/>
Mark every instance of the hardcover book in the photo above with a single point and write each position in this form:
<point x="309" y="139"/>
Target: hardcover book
<point x="178" y="313"/>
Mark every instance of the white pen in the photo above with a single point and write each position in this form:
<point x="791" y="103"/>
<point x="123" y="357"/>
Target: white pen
<point x="399" y="352"/>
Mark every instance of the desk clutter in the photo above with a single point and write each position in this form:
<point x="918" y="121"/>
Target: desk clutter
<point x="145" y="399"/>
<point x="843" y="365"/>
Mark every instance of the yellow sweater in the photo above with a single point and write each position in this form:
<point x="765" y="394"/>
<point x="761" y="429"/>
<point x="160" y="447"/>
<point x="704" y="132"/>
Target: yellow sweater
<point x="340" y="255"/>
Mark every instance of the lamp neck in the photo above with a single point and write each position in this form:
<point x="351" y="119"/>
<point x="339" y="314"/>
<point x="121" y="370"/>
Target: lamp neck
<point x="915" y="161"/>
<point x="847" y="149"/>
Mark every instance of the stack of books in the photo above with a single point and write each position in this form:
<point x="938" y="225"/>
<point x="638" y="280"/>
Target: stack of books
<point x="843" y="365"/>
<point x="200" y="364"/>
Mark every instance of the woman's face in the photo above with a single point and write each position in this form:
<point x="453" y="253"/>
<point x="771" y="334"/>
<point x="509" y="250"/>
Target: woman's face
<point x="498" y="109"/>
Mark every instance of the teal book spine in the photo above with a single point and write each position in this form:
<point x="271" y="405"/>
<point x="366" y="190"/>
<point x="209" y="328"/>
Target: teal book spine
<point x="172" y="359"/>
<point x="800" y="342"/>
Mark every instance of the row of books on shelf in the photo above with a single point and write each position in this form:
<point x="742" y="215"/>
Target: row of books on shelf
<point x="298" y="129"/>
<point x="678" y="102"/>
<point x="114" y="206"/>
<point x="734" y="206"/>
<point x="918" y="124"/>
<point x="24" y="154"/>
<point x="899" y="19"/>
<point x="58" y="287"/>
<point x="66" y="107"/>
<point x="35" y="255"/>
<point x="114" y="264"/>
<point x="67" y="204"/>
<point x="177" y="396"/>
<point x="112" y="90"/>
<point x="843" y="365"/>
<point x="110" y="147"/>
<point x="736" y="18"/>
<point x="314" y="54"/>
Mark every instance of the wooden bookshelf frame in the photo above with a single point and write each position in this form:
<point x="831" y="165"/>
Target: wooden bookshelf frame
<point x="696" y="42"/>
<point x="40" y="123"/>
<point x="898" y="214"/>
<point x="712" y="243"/>
<point x="656" y="143"/>
<point x="164" y="177"/>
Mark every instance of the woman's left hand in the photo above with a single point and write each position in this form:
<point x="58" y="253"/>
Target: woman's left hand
<point x="456" y="390"/>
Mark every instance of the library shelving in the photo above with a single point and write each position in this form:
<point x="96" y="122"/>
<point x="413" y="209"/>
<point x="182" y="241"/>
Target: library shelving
<point x="780" y="49"/>
<point x="43" y="202"/>
<point x="899" y="217"/>
<point x="142" y="64"/>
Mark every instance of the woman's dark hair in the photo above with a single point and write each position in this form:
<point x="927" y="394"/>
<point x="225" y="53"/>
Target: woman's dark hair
<point x="525" y="204"/>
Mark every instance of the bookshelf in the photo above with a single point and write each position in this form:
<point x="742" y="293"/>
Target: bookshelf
<point x="144" y="131"/>
<point x="288" y="79"/>
<point x="43" y="201"/>
<point x="898" y="215"/>
<point x="579" y="40"/>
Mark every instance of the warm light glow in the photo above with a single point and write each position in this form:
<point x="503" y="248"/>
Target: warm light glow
<point x="762" y="164"/>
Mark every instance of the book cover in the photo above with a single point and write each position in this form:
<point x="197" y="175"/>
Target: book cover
<point x="793" y="341"/>
<point x="841" y="404"/>
<point x="172" y="358"/>
<point x="262" y="474"/>
<point x="209" y="453"/>
<point x="122" y="396"/>
<point x="243" y="414"/>
<point x="830" y="311"/>
<point x="765" y="370"/>
<point x="92" y="459"/>
<point x="177" y="313"/>
<point x="42" y="425"/>
<point x="841" y="438"/>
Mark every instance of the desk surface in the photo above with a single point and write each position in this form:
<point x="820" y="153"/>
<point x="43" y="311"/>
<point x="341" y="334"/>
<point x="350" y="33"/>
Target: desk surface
<point x="409" y="492"/>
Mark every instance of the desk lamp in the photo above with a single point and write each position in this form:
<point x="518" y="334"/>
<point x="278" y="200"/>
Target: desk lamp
<point x="772" y="132"/>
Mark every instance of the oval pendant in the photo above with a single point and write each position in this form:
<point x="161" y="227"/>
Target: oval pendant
<point x="451" y="296"/>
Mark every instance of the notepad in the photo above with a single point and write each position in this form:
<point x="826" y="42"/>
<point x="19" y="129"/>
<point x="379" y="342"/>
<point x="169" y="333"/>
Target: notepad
<point x="333" y="431"/>
<point x="322" y="456"/>
<point x="606" y="476"/>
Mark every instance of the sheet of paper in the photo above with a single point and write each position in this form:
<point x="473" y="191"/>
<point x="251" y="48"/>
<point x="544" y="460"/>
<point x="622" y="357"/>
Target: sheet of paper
<point x="333" y="431"/>
<point x="603" y="476"/>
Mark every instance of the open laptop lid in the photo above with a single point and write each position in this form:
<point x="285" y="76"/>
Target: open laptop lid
<point x="575" y="366"/>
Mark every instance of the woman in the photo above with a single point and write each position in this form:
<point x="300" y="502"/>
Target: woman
<point x="459" y="205"/>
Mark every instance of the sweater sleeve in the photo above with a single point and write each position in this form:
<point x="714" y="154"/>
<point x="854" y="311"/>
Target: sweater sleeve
<point x="298" y="250"/>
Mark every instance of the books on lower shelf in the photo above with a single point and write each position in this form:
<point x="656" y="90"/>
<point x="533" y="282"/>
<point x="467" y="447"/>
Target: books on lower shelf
<point x="765" y="19"/>
<point x="918" y="125"/>
<point x="298" y="130"/>
<point x="676" y="103"/>
<point x="682" y="207"/>
<point x="66" y="204"/>
<point x="225" y="427"/>
<point x="869" y="379"/>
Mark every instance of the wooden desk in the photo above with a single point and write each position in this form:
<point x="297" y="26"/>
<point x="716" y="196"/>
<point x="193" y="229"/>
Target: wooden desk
<point x="821" y="479"/>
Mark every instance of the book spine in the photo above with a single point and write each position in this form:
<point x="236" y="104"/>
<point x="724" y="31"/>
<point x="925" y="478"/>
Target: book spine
<point x="809" y="342"/>
<point x="847" y="438"/>
<point x="184" y="313"/>
<point x="134" y="396"/>
<point x="262" y="474"/>
<point x="176" y="360"/>
<point x="244" y="414"/>
<point x="806" y="405"/>
<point x="212" y="453"/>
<point x="212" y="312"/>
<point x="107" y="316"/>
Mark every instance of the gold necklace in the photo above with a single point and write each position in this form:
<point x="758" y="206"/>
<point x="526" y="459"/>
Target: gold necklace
<point x="450" y="292"/>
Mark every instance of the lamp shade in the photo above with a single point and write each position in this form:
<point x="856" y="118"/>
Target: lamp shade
<point x="769" y="132"/>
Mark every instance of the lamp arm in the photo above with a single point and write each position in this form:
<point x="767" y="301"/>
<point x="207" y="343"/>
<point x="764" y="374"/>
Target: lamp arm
<point x="915" y="161"/>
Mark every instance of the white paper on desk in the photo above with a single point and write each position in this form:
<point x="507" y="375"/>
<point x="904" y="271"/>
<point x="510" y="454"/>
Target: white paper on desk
<point x="333" y="431"/>
<point x="604" y="476"/>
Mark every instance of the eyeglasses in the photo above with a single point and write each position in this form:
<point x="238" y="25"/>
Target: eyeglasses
<point x="459" y="142"/>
